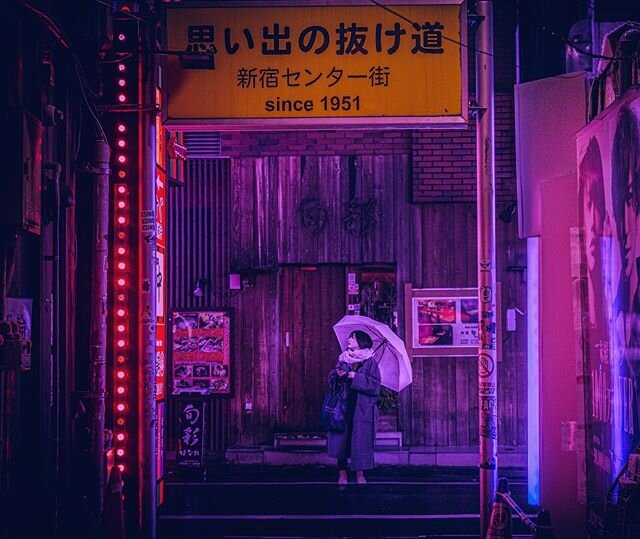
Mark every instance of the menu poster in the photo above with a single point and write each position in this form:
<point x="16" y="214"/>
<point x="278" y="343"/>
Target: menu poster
<point x="160" y="440"/>
<point x="160" y="361"/>
<point x="201" y="352"/>
<point x="445" y="322"/>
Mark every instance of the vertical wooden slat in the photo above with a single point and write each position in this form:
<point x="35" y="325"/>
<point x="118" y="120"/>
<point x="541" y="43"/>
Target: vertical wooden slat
<point x="462" y="367"/>
<point x="253" y="222"/>
<point x="199" y="241"/>
<point x="312" y="302"/>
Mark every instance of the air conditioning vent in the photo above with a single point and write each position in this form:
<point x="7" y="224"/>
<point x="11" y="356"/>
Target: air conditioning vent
<point x="203" y="145"/>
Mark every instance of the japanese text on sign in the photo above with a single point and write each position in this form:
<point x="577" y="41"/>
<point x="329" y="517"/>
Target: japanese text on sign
<point x="350" y="62"/>
<point x="351" y="39"/>
<point x="190" y="450"/>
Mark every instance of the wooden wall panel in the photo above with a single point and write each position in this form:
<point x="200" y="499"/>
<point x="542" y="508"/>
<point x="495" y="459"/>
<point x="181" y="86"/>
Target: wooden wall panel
<point x="447" y="235"/>
<point x="269" y="191"/>
<point x="256" y="351"/>
<point x="431" y="245"/>
<point x="511" y="262"/>
<point x="312" y="301"/>
<point x="332" y="193"/>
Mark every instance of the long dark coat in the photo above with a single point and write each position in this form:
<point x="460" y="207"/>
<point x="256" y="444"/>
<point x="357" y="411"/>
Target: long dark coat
<point x="366" y="386"/>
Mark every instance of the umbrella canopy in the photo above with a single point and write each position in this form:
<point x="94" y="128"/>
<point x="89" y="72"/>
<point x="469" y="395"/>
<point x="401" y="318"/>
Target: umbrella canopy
<point x="390" y="353"/>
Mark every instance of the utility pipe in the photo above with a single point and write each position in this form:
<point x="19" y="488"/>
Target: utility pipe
<point x="98" y="319"/>
<point x="147" y="424"/>
<point x="487" y="356"/>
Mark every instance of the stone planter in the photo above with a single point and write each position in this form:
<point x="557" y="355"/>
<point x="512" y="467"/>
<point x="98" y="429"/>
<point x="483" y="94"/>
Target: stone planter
<point x="388" y="420"/>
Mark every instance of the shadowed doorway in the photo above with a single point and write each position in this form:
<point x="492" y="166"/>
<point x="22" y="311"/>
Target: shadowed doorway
<point x="312" y="299"/>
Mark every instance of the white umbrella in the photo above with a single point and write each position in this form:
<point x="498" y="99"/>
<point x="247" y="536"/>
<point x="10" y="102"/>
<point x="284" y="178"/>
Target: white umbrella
<point x="390" y="353"/>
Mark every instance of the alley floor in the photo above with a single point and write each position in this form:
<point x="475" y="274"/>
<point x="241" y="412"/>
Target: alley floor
<point x="305" y="501"/>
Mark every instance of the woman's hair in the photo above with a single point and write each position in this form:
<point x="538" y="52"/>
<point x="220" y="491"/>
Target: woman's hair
<point x="364" y="341"/>
<point x="591" y="189"/>
<point x="625" y="170"/>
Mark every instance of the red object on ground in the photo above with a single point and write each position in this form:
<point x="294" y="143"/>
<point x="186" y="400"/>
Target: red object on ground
<point x="500" y="525"/>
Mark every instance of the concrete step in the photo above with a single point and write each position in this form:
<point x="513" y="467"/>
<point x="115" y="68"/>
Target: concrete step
<point x="385" y="507"/>
<point x="392" y="455"/>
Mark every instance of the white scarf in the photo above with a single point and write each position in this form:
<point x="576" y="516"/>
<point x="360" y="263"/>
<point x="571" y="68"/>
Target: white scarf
<point x="355" y="356"/>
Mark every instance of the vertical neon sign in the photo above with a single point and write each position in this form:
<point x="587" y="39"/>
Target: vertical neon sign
<point x="124" y="144"/>
<point x="161" y="213"/>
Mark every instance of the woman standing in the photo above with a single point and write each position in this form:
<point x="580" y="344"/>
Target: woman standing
<point x="358" y="378"/>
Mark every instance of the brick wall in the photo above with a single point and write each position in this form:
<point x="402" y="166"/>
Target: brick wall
<point x="444" y="161"/>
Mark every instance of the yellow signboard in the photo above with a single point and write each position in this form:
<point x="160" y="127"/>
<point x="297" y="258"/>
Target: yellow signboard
<point x="314" y="64"/>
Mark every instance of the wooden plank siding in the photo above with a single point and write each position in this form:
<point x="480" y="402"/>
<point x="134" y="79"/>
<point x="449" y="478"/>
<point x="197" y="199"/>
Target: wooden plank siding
<point x="431" y="245"/>
<point x="198" y="234"/>
<point x="311" y="301"/>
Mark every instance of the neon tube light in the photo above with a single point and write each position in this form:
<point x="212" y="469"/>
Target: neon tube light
<point x="533" y="380"/>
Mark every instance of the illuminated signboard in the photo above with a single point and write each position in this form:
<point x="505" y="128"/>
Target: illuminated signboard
<point x="318" y="64"/>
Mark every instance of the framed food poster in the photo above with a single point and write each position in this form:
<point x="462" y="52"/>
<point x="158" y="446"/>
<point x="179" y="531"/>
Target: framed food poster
<point x="201" y="351"/>
<point x="443" y="321"/>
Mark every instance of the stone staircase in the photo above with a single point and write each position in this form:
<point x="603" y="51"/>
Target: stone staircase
<point x="304" y="501"/>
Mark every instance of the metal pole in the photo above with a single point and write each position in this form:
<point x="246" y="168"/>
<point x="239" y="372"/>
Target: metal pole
<point x="98" y="333"/>
<point x="147" y="472"/>
<point x="56" y="170"/>
<point x="487" y="364"/>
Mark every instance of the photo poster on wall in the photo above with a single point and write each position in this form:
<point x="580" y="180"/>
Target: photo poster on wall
<point x="444" y="321"/>
<point x="201" y="352"/>
<point x="160" y="440"/>
<point x="607" y="301"/>
<point x="160" y="360"/>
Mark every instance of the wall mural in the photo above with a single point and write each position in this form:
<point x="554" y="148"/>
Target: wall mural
<point x="609" y="202"/>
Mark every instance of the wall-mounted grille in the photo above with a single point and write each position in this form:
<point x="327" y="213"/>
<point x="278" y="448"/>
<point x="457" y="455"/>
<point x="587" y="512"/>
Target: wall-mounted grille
<point x="203" y="145"/>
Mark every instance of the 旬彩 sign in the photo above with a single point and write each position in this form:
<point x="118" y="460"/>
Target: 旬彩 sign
<point x="349" y="63"/>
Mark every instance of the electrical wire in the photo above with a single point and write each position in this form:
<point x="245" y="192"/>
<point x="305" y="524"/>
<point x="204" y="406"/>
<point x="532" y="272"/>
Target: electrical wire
<point x="52" y="25"/>
<point x="446" y="38"/>
<point x="123" y="58"/>
<point x="585" y="52"/>
<point x="126" y="13"/>
<point x="62" y="38"/>
<point x="79" y="135"/>
<point x="501" y="58"/>
<point x="76" y="62"/>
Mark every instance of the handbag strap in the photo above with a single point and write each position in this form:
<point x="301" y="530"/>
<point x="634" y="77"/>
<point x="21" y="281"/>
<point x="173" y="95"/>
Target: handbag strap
<point x="337" y="386"/>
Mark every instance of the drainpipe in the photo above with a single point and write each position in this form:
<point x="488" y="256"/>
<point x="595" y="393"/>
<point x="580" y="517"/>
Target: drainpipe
<point x="54" y="395"/>
<point x="487" y="355"/>
<point x="98" y="313"/>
